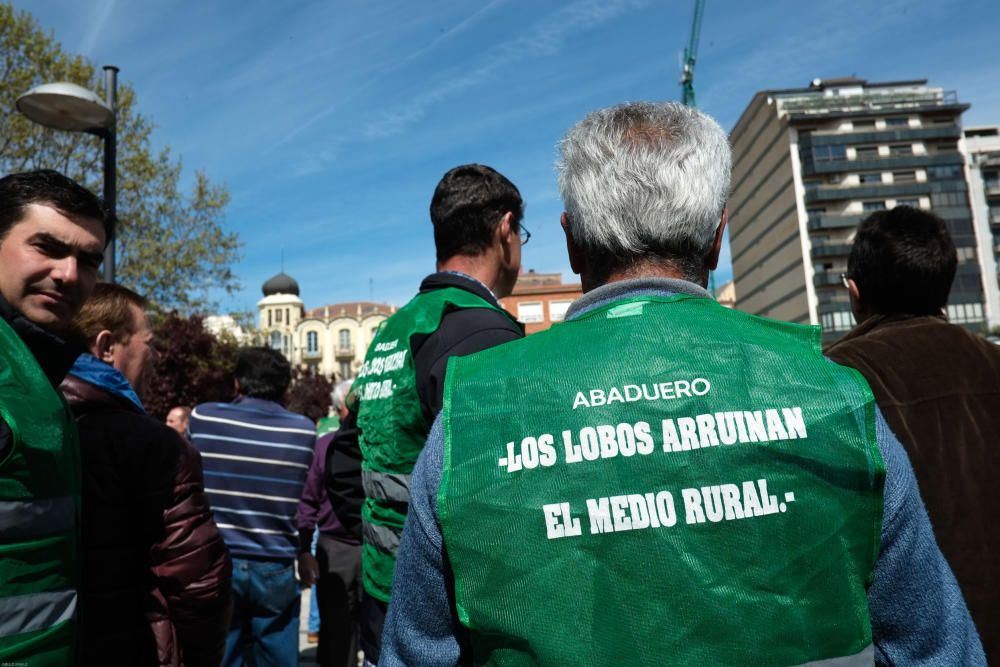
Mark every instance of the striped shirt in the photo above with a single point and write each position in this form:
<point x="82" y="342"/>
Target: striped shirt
<point x="255" y="455"/>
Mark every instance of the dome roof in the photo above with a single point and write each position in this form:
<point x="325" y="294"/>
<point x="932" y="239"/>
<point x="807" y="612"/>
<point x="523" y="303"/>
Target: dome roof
<point x="280" y="284"/>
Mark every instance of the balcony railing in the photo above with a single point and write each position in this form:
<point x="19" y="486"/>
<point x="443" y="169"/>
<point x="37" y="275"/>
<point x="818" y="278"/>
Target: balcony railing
<point x="825" y="278"/>
<point x="882" y="163"/>
<point x="880" y="190"/>
<point x="820" y="104"/>
<point x="344" y="351"/>
<point x="830" y="221"/>
<point x="831" y="250"/>
<point x="886" y="136"/>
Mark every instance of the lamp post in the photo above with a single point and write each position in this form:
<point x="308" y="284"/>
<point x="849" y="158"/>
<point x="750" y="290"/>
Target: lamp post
<point x="67" y="106"/>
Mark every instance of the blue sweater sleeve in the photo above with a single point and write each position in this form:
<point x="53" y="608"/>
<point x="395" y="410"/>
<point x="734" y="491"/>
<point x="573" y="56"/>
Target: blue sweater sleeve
<point x="917" y="611"/>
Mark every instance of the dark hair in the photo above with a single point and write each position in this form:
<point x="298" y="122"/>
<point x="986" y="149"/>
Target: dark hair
<point x="903" y="261"/>
<point x="49" y="188"/>
<point x="467" y="206"/>
<point x="262" y="373"/>
<point x="107" y="308"/>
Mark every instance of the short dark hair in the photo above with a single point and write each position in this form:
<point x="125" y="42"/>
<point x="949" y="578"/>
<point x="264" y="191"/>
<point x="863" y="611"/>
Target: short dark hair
<point x="108" y="308"/>
<point x="467" y="206"/>
<point x="49" y="188"/>
<point x="262" y="373"/>
<point x="903" y="261"/>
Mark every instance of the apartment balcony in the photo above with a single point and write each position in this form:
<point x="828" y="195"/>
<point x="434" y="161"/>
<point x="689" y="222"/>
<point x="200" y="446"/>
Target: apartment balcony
<point x="882" y="163"/>
<point x="896" y="135"/>
<point x="344" y="351"/>
<point x="822" y="251"/>
<point x="308" y="354"/>
<point x="825" y="278"/>
<point x="833" y="221"/>
<point x="808" y="108"/>
<point x="820" y="193"/>
<point x="833" y="305"/>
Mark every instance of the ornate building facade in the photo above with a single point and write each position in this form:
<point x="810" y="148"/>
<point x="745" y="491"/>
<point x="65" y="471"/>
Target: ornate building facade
<point x="331" y="340"/>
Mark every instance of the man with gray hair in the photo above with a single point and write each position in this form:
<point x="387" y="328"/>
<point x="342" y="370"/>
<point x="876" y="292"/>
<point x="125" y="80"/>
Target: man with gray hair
<point x="673" y="481"/>
<point x="336" y="568"/>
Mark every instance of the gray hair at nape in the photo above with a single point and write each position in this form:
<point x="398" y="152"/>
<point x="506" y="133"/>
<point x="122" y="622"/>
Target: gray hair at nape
<point x="339" y="393"/>
<point x="645" y="180"/>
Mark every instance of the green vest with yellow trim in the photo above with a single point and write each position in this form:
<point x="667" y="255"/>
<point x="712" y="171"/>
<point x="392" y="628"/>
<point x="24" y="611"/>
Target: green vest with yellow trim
<point x="39" y="510"/>
<point x="662" y="481"/>
<point x="393" y="427"/>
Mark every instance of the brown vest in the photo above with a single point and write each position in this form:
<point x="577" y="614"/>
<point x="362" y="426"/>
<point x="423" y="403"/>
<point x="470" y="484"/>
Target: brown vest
<point x="939" y="388"/>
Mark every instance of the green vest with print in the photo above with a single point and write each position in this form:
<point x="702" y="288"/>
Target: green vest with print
<point x="662" y="481"/>
<point x="39" y="510"/>
<point x="393" y="427"/>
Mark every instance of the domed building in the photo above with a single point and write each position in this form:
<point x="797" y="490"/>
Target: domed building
<point x="331" y="339"/>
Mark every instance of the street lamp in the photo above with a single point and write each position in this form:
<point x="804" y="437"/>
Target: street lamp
<point x="67" y="106"/>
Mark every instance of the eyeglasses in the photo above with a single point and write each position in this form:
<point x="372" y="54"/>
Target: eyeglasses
<point x="524" y="234"/>
<point x="843" y="280"/>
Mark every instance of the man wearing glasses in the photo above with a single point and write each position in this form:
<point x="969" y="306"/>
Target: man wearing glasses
<point x="476" y="213"/>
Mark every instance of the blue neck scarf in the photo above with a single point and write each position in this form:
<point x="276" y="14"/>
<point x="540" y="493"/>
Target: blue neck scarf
<point x="91" y="369"/>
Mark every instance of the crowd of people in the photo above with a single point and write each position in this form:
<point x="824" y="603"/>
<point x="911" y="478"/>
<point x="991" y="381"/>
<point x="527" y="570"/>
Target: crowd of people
<point x="657" y="480"/>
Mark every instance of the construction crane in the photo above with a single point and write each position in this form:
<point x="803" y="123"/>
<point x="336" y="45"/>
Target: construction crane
<point x="687" y="83"/>
<point x="690" y="55"/>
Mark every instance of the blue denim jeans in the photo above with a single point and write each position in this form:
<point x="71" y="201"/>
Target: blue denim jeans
<point x="265" y="628"/>
<point x="313" y="603"/>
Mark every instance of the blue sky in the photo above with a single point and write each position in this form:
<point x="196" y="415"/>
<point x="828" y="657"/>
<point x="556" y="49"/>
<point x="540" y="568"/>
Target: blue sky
<point x="331" y="122"/>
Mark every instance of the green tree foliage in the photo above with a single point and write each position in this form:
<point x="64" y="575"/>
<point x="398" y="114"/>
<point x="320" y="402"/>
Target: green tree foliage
<point x="192" y="366"/>
<point x="171" y="246"/>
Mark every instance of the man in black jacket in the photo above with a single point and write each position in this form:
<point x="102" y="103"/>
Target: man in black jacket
<point x="156" y="573"/>
<point x="476" y="213"/>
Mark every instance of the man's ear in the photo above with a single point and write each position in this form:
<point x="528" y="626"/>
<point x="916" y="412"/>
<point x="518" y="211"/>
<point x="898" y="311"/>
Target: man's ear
<point x="576" y="262"/>
<point x="504" y="237"/>
<point x="712" y="259"/>
<point x="103" y="347"/>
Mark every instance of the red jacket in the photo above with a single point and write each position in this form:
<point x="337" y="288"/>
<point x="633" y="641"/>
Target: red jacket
<point x="156" y="585"/>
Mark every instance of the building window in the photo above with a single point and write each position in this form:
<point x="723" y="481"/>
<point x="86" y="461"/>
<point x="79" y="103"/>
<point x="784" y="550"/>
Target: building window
<point x="529" y="312"/>
<point x="966" y="254"/>
<point x="344" y="339"/>
<point x="897" y="122"/>
<point x="991" y="179"/>
<point x="870" y="178"/>
<point x="831" y="152"/>
<point x="873" y="205"/>
<point x="837" y="321"/>
<point x="312" y="342"/>
<point x="345" y="370"/>
<point x="904" y="176"/>
<point x="277" y="315"/>
<point x="866" y="152"/>
<point x="284" y="345"/>
<point x="268" y="317"/>
<point x="944" y="172"/>
<point x="288" y="317"/>
<point x="911" y="202"/>
<point x="276" y="340"/>
<point x="948" y="199"/>
<point x="557" y="310"/>
<point x="863" y="125"/>
<point x="901" y="149"/>
<point x="964" y="313"/>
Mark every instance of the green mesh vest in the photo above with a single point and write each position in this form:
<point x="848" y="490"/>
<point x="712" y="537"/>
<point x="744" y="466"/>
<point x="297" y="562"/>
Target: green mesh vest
<point x="662" y="481"/>
<point x="394" y="429"/>
<point x="39" y="509"/>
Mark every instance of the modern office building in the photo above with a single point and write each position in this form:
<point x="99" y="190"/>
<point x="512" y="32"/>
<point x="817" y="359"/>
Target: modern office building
<point x="810" y="163"/>
<point x="982" y="145"/>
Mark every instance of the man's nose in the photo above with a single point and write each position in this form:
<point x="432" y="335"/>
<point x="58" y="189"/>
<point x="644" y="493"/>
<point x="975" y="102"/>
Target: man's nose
<point x="67" y="270"/>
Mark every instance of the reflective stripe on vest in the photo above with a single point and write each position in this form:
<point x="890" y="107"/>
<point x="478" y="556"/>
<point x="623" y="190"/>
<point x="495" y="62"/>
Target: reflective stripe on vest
<point x="864" y="658"/>
<point x="386" y="486"/>
<point x="385" y="539"/>
<point x="37" y="611"/>
<point x="31" y="518"/>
